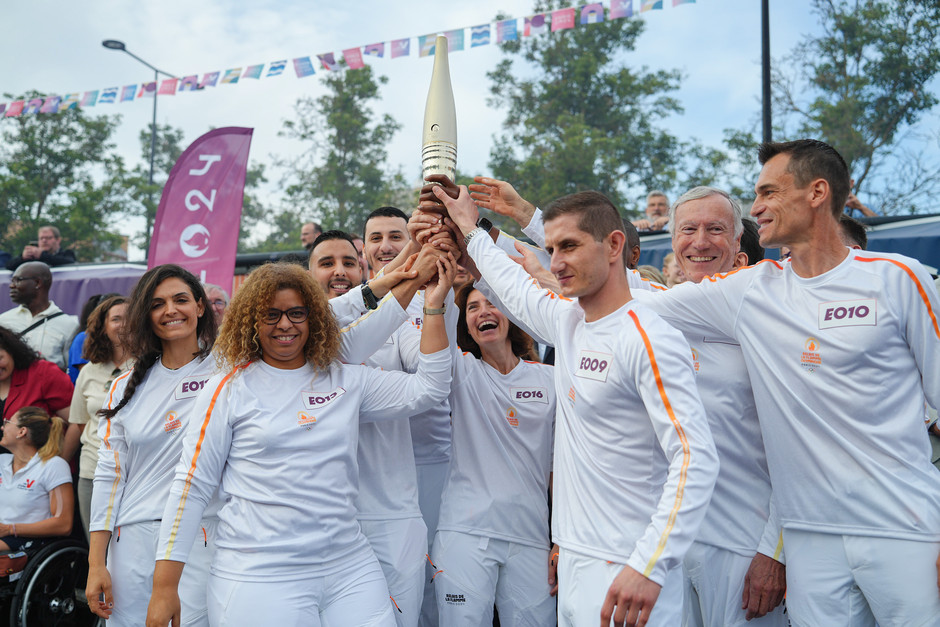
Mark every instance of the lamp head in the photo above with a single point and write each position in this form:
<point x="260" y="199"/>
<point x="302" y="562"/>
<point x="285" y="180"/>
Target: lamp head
<point x="113" y="44"/>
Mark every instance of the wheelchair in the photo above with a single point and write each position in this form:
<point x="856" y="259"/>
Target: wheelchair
<point x="50" y="590"/>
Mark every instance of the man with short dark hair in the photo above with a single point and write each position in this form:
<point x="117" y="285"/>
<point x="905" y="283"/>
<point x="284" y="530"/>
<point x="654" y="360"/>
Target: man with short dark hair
<point x="385" y="234"/>
<point x="842" y="348"/>
<point x="634" y="460"/>
<point x="37" y="320"/>
<point x="48" y="249"/>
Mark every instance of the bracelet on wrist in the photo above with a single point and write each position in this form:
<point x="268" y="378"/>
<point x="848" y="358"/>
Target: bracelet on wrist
<point x="473" y="234"/>
<point x="434" y="311"/>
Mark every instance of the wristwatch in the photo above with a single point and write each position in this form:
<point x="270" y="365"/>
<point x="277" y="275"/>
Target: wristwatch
<point x="368" y="298"/>
<point x="472" y="234"/>
<point x="483" y="223"/>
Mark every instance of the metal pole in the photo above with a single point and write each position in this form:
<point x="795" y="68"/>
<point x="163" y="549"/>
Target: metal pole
<point x="765" y="66"/>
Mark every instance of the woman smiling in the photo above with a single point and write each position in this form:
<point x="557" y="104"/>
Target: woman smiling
<point x="277" y="430"/>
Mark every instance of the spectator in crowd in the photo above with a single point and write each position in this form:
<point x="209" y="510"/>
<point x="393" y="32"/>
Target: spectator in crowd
<point x="308" y="233"/>
<point x="853" y="204"/>
<point x="853" y="233"/>
<point x="651" y="273"/>
<point x="26" y="380"/>
<point x="38" y="320"/>
<point x="671" y="271"/>
<point x="219" y="300"/>
<point x="37" y="501"/>
<point x="4" y="258"/>
<point x="104" y="350"/>
<point x="48" y="249"/>
<point x="657" y="212"/>
<point x="76" y="361"/>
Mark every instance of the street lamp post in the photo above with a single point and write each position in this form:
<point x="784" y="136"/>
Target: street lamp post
<point x="113" y="44"/>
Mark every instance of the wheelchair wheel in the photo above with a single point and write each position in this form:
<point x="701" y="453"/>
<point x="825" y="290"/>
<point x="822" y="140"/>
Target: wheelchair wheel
<point x="51" y="591"/>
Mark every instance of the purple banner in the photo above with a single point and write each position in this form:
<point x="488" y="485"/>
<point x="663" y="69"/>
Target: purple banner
<point x="200" y="210"/>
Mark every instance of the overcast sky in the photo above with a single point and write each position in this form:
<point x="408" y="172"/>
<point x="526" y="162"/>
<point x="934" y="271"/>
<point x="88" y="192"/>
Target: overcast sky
<point x="54" y="46"/>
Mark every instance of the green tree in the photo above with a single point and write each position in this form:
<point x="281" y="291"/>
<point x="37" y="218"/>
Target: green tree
<point x="145" y="197"/>
<point x="341" y="175"/>
<point x="862" y="85"/>
<point x="61" y="169"/>
<point x="584" y="119"/>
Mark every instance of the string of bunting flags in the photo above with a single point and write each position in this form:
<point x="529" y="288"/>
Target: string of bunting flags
<point x="481" y="35"/>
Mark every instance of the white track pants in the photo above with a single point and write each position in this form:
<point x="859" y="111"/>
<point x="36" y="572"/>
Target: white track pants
<point x="583" y="583"/>
<point x="854" y="581"/>
<point x="401" y="547"/>
<point x="131" y="558"/>
<point x="714" y="585"/>
<point x="476" y="572"/>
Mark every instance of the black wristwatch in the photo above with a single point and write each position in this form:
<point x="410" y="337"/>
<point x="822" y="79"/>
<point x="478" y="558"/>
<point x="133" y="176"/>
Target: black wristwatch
<point x="485" y="224"/>
<point x="368" y="298"/>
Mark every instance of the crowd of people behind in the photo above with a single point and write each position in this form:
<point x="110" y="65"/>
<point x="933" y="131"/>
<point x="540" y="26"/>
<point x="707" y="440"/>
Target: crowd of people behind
<point x="380" y="437"/>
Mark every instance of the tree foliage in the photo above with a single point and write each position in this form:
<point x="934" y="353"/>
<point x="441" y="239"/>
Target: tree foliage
<point x="583" y="118"/>
<point x="60" y="169"/>
<point x="341" y="175"/>
<point x="862" y="86"/>
<point x="145" y="198"/>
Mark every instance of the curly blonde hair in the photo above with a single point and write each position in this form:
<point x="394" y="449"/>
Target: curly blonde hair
<point x="238" y="343"/>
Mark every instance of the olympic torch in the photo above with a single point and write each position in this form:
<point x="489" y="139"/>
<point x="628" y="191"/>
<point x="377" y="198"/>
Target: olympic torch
<point x="439" y="139"/>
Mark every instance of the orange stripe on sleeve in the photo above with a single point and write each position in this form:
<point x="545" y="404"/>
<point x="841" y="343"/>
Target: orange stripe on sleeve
<point x="192" y="465"/>
<point x="686" y="454"/>
<point x="920" y="287"/>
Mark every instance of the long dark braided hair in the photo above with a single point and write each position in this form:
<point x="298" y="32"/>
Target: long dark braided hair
<point x="141" y="342"/>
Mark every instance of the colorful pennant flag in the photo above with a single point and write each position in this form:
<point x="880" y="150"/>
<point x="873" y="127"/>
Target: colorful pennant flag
<point x="168" y="86"/>
<point x="353" y="57"/>
<point x="70" y="101"/>
<point x="276" y="68"/>
<point x="562" y="19"/>
<point x="108" y="96"/>
<point x="209" y="79"/>
<point x="127" y="93"/>
<point x="14" y="109"/>
<point x="253" y="71"/>
<point x="676" y="3"/>
<point x="33" y="106"/>
<point x="454" y="40"/>
<point x="328" y="61"/>
<point x="51" y="105"/>
<point x="375" y="50"/>
<point x="231" y="76"/>
<point x="620" y="8"/>
<point x="303" y="67"/>
<point x="651" y="5"/>
<point x="426" y="45"/>
<point x="480" y="35"/>
<point x="592" y="13"/>
<point x="189" y="83"/>
<point x="147" y="90"/>
<point x="89" y="99"/>
<point x="3" y="107"/>
<point x="401" y="48"/>
<point x="535" y="25"/>
<point x="506" y="31"/>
